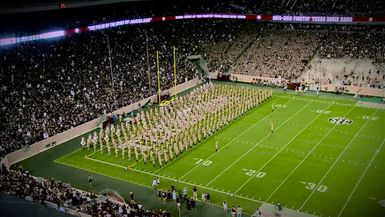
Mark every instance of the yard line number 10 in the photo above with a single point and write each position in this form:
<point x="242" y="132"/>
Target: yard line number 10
<point x="202" y="162"/>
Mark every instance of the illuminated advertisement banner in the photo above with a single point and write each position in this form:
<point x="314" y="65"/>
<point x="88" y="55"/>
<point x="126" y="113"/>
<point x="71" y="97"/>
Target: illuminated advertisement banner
<point x="208" y="16"/>
<point x="314" y="19"/>
<point x="258" y="18"/>
<point x="118" y="23"/>
<point x="46" y="35"/>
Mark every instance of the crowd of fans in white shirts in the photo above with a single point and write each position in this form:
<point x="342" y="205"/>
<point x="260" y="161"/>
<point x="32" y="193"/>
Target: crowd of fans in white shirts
<point x="19" y="183"/>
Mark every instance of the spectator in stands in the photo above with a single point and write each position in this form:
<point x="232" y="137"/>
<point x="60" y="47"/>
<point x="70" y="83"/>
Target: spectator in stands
<point x="21" y="184"/>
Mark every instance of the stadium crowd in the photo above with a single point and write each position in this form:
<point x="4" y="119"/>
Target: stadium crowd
<point x="356" y="45"/>
<point x="20" y="184"/>
<point x="278" y="54"/>
<point x="76" y="17"/>
<point x="49" y="87"/>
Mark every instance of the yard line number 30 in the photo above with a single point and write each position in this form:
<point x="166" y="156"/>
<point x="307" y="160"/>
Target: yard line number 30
<point x="311" y="186"/>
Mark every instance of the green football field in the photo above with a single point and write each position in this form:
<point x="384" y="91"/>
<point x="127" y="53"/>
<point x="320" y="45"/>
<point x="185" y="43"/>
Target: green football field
<point x="325" y="158"/>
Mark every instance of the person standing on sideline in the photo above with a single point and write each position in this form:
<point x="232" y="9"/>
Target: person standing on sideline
<point x="239" y="211"/>
<point x="131" y="196"/>
<point x="83" y="143"/>
<point x="185" y="192"/>
<point x="174" y="196"/>
<point x="203" y="197"/>
<point x="272" y="126"/>
<point x="195" y="193"/>
<point x="278" y="206"/>
<point x="192" y="202"/>
<point x="188" y="205"/>
<point x="233" y="211"/>
<point x="225" y="207"/>
<point x="257" y="213"/>
<point x="216" y="146"/>
<point x="90" y="179"/>
<point x="154" y="184"/>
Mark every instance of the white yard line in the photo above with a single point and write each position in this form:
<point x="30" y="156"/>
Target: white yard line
<point x="173" y="179"/>
<point x="332" y="166"/>
<point x="94" y="152"/>
<point x="260" y="169"/>
<point x="67" y="154"/>
<point x="230" y="141"/>
<point x="303" y="160"/>
<point x="359" y="181"/>
<point x="76" y="151"/>
<point x="240" y="158"/>
<point x="105" y="162"/>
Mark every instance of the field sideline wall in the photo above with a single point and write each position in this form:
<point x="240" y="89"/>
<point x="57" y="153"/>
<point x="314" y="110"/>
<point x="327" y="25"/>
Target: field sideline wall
<point x="60" y="138"/>
<point x="365" y="91"/>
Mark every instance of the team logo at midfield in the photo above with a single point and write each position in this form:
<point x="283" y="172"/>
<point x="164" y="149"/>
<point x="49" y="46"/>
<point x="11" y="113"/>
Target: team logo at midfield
<point x="340" y="120"/>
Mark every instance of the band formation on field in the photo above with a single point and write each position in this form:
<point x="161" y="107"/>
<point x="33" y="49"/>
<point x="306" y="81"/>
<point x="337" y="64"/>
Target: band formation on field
<point x="160" y="134"/>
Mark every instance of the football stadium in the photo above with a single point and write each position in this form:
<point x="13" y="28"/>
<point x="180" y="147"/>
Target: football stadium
<point x="153" y="108"/>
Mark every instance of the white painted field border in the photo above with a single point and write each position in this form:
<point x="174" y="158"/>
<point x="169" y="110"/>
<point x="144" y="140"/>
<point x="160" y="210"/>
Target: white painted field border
<point x="171" y="179"/>
<point x="339" y="156"/>
<point x="303" y="160"/>
<point x="324" y="97"/>
<point x="305" y="99"/>
<point x="94" y="152"/>
<point x="360" y="179"/>
<point x="230" y="141"/>
<point x="276" y="154"/>
<point x="148" y="186"/>
<point x="79" y="149"/>
<point x="256" y="145"/>
<point x="76" y="150"/>
<point x="97" y="150"/>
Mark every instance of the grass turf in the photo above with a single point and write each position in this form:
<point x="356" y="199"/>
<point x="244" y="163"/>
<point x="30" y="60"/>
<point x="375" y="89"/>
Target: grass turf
<point x="308" y="164"/>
